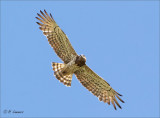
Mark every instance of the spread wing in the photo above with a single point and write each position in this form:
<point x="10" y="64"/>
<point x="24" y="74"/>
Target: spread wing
<point x="56" y="37"/>
<point x="98" y="86"/>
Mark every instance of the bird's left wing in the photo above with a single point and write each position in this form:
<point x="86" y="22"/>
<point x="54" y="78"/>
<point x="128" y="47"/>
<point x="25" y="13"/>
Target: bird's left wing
<point x="56" y="37"/>
<point x="98" y="86"/>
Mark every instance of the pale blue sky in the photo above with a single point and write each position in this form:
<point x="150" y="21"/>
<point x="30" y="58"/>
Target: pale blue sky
<point x="119" y="39"/>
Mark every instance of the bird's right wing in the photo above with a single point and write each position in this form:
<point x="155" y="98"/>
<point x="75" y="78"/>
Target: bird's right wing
<point x="98" y="86"/>
<point x="56" y="37"/>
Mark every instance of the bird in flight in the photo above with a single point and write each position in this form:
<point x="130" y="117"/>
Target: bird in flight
<point x="74" y="63"/>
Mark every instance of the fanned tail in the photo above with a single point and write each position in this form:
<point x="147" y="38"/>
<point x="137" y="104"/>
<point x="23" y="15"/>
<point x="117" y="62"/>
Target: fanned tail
<point x="66" y="80"/>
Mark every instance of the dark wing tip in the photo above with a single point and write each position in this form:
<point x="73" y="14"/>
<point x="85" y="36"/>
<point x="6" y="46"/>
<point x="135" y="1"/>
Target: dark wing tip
<point x="117" y="103"/>
<point x="45" y="11"/>
<point x="41" y="12"/>
<point x="51" y="15"/>
<point x="38" y="23"/>
<point x="119" y="106"/>
<point x="119" y="98"/>
<point x="118" y="93"/>
<point x="38" y="14"/>
<point x="41" y="29"/>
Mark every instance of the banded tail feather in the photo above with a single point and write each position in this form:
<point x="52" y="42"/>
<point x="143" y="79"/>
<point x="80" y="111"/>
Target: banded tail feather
<point x="65" y="79"/>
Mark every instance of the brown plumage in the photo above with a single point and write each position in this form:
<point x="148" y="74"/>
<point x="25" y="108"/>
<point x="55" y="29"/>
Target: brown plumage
<point x="73" y="63"/>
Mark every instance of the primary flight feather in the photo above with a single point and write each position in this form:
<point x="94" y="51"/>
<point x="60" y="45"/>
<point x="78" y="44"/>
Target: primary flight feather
<point x="74" y="63"/>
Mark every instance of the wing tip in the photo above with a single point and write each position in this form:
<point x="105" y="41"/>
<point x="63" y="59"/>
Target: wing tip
<point x="41" y="12"/>
<point x="122" y="101"/>
<point x="45" y="11"/>
<point x="51" y="15"/>
<point x="38" y="14"/>
<point x="38" y="23"/>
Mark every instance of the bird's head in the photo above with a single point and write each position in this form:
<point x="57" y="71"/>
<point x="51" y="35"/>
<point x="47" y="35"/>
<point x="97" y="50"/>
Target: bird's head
<point x="80" y="60"/>
<point x="83" y="57"/>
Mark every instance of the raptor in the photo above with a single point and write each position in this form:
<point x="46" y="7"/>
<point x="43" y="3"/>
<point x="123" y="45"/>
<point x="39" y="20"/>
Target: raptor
<point x="74" y="63"/>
